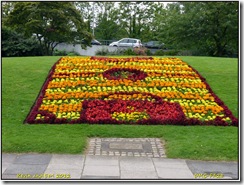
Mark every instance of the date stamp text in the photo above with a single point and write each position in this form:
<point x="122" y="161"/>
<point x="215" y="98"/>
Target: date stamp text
<point x="209" y="175"/>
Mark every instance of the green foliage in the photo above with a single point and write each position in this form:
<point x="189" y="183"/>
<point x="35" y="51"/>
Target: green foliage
<point x="107" y="27"/>
<point x="159" y="53"/>
<point x="211" y="28"/>
<point x="59" y="52"/>
<point x="202" y="28"/>
<point x="129" y="51"/>
<point x="148" y="52"/>
<point x="64" y="53"/>
<point x="103" y="52"/>
<point x="171" y="52"/>
<point x="7" y="7"/>
<point x="73" y="53"/>
<point x="50" y="22"/>
<point x="191" y="142"/>
<point x="136" y="18"/>
<point x="120" y="52"/>
<point x="15" y="44"/>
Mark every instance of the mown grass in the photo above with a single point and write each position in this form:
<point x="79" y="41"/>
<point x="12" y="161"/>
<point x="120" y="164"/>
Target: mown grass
<point x="22" y="79"/>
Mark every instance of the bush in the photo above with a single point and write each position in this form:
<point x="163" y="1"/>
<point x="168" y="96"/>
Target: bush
<point x="65" y="53"/>
<point x="185" y="53"/>
<point x="129" y="51"/>
<point x="59" y="53"/>
<point x="73" y="53"/>
<point x="121" y="51"/>
<point x="16" y="44"/>
<point x="159" y="53"/>
<point x="171" y="52"/>
<point x="149" y="53"/>
<point x="102" y="52"/>
<point x="140" y="51"/>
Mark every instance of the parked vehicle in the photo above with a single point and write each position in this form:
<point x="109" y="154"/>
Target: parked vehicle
<point x="154" y="45"/>
<point x="127" y="42"/>
<point x="95" y="42"/>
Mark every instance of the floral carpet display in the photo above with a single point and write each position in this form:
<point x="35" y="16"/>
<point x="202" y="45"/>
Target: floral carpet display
<point x="144" y="91"/>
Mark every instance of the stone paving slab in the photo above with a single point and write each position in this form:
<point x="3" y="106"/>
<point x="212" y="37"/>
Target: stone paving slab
<point x="64" y="174"/>
<point x="32" y="159"/>
<point x="8" y="177"/>
<point x="169" y="163"/>
<point x="101" y="166"/>
<point x="23" y="166"/>
<point x="213" y="169"/>
<point x="140" y="175"/>
<point x="136" y="164"/>
<point x="130" y="147"/>
<point x="104" y="171"/>
<point x="172" y="168"/>
<point x="65" y="167"/>
<point x="174" y="173"/>
<point x="66" y="162"/>
<point x="99" y="177"/>
<point x="15" y="169"/>
<point x="7" y="159"/>
<point x="65" y="158"/>
<point x="102" y="160"/>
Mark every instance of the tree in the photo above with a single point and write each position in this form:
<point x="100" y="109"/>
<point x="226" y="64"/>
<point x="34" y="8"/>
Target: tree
<point x="88" y="11"/>
<point x="152" y="30"/>
<point x="221" y="26"/>
<point x="135" y="17"/>
<point x="15" y="44"/>
<point x="211" y="28"/>
<point x="51" y="23"/>
<point x="7" y="7"/>
<point x="107" y="25"/>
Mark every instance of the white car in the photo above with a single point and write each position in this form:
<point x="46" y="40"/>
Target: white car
<point x="127" y="42"/>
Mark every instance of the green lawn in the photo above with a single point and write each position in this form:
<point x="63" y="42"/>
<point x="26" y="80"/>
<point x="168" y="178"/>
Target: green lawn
<point x="22" y="79"/>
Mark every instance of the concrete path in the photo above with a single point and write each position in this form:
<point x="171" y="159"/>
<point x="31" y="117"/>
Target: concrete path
<point x="87" y="167"/>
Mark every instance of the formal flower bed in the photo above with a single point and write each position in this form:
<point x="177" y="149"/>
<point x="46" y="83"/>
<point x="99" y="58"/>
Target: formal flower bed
<point x="99" y="90"/>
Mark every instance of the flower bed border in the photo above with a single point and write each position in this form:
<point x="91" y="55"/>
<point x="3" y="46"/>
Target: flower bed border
<point x="30" y="119"/>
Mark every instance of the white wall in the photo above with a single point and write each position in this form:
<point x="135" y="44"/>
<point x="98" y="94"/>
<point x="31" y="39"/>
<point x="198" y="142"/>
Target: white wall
<point x="90" y="51"/>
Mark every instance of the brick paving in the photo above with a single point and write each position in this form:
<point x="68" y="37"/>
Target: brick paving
<point x="128" y="147"/>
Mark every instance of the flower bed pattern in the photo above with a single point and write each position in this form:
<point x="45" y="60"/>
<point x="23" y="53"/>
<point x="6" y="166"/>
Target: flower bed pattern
<point x="146" y="91"/>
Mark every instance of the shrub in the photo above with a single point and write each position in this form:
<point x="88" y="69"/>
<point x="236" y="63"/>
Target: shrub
<point x="159" y="53"/>
<point x="59" y="52"/>
<point x="65" y="53"/>
<point x="119" y="51"/>
<point x="73" y="53"/>
<point x="171" y="52"/>
<point x="16" y="44"/>
<point x="140" y="51"/>
<point x="149" y="53"/>
<point x="102" y="52"/>
<point x="185" y="53"/>
<point x="129" y="51"/>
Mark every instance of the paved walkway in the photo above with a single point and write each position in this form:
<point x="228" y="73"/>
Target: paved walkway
<point x="55" y="166"/>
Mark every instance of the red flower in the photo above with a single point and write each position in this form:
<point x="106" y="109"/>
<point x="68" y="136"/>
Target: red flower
<point x="159" y="112"/>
